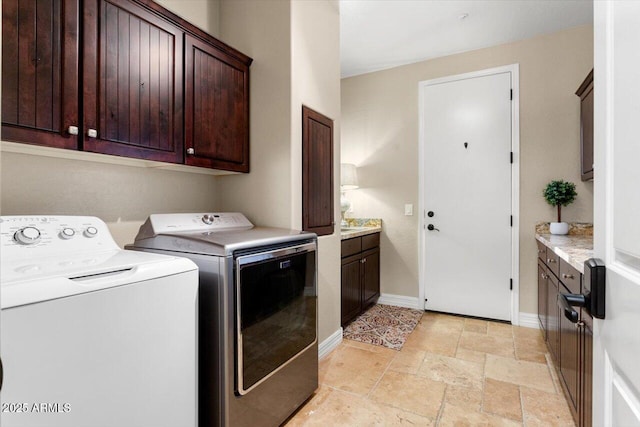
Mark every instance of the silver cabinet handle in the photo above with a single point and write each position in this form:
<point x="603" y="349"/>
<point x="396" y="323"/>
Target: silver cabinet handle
<point x="72" y="130"/>
<point x="191" y="151"/>
<point x="567" y="276"/>
<point x="549" y="260"/>
<point x="92" y="133"/>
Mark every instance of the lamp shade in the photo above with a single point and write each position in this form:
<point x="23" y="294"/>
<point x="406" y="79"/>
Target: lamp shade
<point x="348" y="176"/>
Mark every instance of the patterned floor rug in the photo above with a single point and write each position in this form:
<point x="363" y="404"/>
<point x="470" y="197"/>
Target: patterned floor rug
<point x="384" y="325"/>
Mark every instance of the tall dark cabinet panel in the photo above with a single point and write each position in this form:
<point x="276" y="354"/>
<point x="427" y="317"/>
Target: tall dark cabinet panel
<point x="217" y="107"/>
<point x="317" y="173"/>
<point x="133" y="75"/>
<point x="40" y="72"/>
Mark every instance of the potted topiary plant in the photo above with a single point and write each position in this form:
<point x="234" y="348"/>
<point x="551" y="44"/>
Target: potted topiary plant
<point x="559" y="193"/>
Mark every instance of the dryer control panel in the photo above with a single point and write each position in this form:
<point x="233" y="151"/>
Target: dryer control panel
<point x="195" y="222"/>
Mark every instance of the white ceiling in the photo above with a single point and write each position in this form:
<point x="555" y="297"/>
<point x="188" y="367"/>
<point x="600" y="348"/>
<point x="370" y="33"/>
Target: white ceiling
<point x="379" y="34"/>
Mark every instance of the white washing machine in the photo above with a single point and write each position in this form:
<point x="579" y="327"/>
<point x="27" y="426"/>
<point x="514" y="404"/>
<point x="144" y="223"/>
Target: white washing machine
<point x="93" y="335"/>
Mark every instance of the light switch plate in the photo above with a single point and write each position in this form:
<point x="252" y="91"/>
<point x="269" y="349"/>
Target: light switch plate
<point x="408" y="209"/>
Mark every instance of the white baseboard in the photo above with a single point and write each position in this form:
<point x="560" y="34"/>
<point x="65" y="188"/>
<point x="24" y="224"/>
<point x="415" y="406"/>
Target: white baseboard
<point x="400" y="301"/>
<point x="329" y="344"/>
<point x="529" y="320"/>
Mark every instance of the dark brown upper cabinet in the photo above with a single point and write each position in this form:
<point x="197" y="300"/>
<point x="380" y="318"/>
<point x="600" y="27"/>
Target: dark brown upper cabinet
<point x="585" y="92"/>
<point x="216" y="108"/>
<point x="40" y="72"/>
<point x="134" y="74"/>
<point x="317" y="173"/>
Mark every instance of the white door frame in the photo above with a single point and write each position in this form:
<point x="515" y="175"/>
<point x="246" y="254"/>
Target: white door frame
<point x="514" y="69"/>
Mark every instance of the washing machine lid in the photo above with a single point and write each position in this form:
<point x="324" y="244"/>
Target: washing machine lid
<point x="49" y="257"/>
<point x="227" y="232"/>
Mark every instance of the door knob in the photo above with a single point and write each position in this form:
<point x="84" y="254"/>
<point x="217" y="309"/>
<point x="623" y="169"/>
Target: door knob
<point x="430" y="227"/>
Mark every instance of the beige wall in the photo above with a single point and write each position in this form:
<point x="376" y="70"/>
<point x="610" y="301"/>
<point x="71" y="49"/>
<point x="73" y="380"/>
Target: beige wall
<point x="380" y="135"/>
<point x="123" y="196"/>
<point x="295" y="48"/>
<point x="262" y="30"/>
<point x="202" y="13"/>
<point x="316" y="84"/>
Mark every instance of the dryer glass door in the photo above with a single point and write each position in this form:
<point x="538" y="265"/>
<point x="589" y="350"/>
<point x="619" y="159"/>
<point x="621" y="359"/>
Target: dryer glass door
<point x="276" y="299"/>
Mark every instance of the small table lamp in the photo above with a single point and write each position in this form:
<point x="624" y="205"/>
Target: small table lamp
<point x="348" y="181"/>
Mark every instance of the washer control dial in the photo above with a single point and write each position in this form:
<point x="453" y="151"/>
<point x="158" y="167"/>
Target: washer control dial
<point x="27" y="236"/>
<point x="207" y="219"/>
<point x="90" y="232"/>
<point x="67" y="233"/>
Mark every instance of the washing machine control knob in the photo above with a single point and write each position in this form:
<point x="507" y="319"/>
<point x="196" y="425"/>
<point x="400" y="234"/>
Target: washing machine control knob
<point x="207" y="219"/>
<point x="67" y="233"/>
<point x="90" y="232"/>
<point x="27" y="236"/>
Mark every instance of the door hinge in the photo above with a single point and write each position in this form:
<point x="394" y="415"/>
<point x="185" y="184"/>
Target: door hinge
<point x="511" y="156"/>
<point x="511" y="223"/>
<point x="511" y="94"/>
<point x="510" y="284"/>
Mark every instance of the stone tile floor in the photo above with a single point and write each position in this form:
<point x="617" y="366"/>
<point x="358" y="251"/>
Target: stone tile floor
<point x="452" y="371"/>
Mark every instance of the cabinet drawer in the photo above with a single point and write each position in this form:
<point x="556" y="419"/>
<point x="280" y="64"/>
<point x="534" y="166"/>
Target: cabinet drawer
<point x="351" y="246"/>
<point x="542" y="251"/>
<point x="370" y="241"/>
<point x="553" y="262"/>
<point x="570" y="277"/>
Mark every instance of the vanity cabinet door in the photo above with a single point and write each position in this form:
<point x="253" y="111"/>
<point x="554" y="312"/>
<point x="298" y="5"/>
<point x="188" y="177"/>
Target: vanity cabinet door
<point x="569" y="355"/>
<point x="370" y="276"/>
<point x="553" y="317"/>
<point x="350" y="288"/>
<point x="542" y="298"/>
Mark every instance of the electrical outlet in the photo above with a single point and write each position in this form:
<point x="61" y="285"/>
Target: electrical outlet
<point x="408" y="209"/>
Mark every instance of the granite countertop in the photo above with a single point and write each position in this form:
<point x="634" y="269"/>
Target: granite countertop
<point x="358" y="227"/>
<point x="574" y="249"/>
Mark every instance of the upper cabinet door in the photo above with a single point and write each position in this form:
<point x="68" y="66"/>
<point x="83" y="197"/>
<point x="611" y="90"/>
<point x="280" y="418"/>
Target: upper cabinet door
<point x="585" y="92"/>
<point x="133" y="74"/>
<point x="216" y="107"/>
<point x="40" y="71"/>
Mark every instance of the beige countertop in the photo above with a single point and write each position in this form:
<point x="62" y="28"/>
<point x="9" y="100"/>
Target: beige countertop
<point x="357" y="227"/>
<point x="351" y="232"/>
<point x="573" y="249"/>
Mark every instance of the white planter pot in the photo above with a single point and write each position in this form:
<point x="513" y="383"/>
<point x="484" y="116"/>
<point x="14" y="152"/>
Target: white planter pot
<point x="559" y="228"/>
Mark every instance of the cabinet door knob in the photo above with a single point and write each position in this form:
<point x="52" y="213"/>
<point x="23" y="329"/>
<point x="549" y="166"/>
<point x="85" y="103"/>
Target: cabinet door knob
<point x="191" y="151"/>
<point x="567" y="276"/>
<point x="92" y="133"/>
<point x="551" y="260"/>
<point x="72" y="130"/>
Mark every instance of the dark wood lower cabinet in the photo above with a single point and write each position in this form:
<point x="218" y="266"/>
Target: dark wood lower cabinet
<point x="569" y="356"/>
<point x="570" y="344"/>
<point x="360" y="280"/>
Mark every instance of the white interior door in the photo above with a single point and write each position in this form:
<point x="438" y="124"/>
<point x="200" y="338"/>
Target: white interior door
<point x="616" y="388"/>
<point x="466" y="132"/>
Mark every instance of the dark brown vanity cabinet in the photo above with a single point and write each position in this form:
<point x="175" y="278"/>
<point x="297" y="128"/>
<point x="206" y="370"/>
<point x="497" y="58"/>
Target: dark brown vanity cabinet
<point x="585" y="92"/>
<point x="129" y="100"/>
<point x="570" y="344"/>
<point x="360" y="275"/>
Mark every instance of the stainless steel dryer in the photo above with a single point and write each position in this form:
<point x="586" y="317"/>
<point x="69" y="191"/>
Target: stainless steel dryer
<point x="258" y="357"/>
